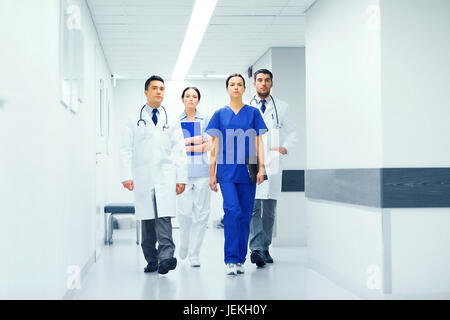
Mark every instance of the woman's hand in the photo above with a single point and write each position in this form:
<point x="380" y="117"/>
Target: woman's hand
<point x="197" y="140"/>
<point x="187" y="141"/>
<point x="260" y="176"/>
<point x="193" y="140"/>
<point x="260" y="154"/>
<point x="213" y="183"/>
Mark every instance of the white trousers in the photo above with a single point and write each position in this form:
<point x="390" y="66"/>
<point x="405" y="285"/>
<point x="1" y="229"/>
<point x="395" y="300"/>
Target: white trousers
<point x="193" y="208"/>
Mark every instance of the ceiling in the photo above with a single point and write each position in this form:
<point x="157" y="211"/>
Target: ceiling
<point x="142" y="37"/>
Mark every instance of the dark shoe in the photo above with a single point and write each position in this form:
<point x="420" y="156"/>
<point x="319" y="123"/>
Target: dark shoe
<point x="151" y="267"/>
<point x="257" y="257"/>
<point x="167" y="265"/>
<point x="267" y="257"/>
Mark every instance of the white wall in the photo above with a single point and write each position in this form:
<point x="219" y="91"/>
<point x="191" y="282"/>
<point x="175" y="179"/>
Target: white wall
<point x="343" y="115"/>
<point x="420" y="253"/>
<point x="48" y="155"/>
<point x="345" y="244"/>
<point x="289" y="65"/>
<point x="377" y="96"/>
<point x="415" y="75"/>
<point x="415" y="83"/>
<point x="343" y="123"/>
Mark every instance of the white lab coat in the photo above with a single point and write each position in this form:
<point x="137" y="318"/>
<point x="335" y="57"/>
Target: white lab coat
<point x="282" y="137"/>
<point x="155" y="159"/>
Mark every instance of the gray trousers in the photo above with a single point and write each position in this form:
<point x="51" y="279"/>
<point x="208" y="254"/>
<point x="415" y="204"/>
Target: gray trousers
<point x="157" y="230"/>
<point x="261" y="225"/>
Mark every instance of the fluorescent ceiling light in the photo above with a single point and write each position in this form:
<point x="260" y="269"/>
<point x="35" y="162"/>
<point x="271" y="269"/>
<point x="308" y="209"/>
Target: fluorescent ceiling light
<point x="203" y="10"/>
<point x="195" y="76"/>
<point x="219" y="76"/>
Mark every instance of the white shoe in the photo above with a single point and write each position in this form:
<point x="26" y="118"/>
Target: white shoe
<point x="231" y="269"/>
<point x="195" y="262"/>
<point x="183" y="253"/>
<point x="240" y="268"/>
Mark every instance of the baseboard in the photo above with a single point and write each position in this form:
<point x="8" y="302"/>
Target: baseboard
<point x="69" y="295"/>
<point x="367" y="294"/>
<point x="342" y="282"/>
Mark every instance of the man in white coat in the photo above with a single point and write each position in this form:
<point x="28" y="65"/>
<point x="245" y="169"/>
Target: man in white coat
<point x="154" y="165"/>
<point x="279" y="140"/>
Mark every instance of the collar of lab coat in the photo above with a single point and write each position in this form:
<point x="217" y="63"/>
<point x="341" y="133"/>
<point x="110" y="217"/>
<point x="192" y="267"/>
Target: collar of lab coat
<point x="258" y="100"/>
<point x="198" y="115"/>
<point x="269" y="105"/>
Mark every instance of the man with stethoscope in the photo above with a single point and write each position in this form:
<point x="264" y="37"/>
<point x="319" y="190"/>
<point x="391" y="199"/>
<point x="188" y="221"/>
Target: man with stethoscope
<point x="279" y="141"/>
<point x="154" y="165"/>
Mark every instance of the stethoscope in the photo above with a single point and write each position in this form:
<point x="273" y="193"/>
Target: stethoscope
<point x="278" y="125"/>
<point x="166" y="125"/>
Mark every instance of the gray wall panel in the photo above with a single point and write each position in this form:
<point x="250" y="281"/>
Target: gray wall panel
<point x="320" y="184"/>
<point x="356" y="186"/>
<point x="359" y="186"/>
<point x="416" y="187"/>
<point x="293" y="181"/>
<point x="381" y="188"/>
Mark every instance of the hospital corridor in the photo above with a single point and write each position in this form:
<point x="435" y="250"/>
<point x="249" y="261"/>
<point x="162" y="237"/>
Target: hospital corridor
<point x="225" y="150"/>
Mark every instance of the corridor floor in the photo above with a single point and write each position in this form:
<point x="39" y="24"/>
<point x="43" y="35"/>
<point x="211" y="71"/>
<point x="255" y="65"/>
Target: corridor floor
<point x="118" y="274"/>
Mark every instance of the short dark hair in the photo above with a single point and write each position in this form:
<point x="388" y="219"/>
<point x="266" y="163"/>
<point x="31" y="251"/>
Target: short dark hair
<point x="232" y="76"/>
<point x="264" y="71"/>
<point x="193" y="88"/>
<point x="152" y="78"/>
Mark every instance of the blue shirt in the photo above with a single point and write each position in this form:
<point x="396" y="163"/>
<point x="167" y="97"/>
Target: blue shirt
<point x="150" y="111"/>
<point x="237" y="136"/>
<point x="198" y="164"/>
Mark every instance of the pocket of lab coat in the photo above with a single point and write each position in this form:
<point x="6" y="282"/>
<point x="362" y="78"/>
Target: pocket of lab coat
<point x="142" y="133"/>
<point x="165" y="189"/>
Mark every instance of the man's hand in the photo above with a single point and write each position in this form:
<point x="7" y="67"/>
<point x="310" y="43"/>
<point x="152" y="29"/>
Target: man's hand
<point x="180" y="188"/>
<point x="260" y="176"/>
<point x="213" y="183"/>
<point x="280" y="150"/>
<point x="129" y="184"/>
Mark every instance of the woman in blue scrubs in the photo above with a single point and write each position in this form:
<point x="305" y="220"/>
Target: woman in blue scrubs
<point x="236" y="132"/>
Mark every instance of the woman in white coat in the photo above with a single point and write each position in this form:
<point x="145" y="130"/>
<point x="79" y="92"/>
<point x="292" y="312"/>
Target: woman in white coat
<point x="154" y="165"/>
<point x="193" y="205"/>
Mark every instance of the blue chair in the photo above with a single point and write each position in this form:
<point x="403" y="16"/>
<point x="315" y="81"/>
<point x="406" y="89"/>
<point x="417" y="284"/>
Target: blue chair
<point x="118" y="208"/>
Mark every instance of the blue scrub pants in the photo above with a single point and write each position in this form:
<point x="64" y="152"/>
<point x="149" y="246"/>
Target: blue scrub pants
<point x="238" y="199"/>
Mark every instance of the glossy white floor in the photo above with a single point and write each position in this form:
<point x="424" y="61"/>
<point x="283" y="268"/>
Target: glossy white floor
<point x="118" y="274"/>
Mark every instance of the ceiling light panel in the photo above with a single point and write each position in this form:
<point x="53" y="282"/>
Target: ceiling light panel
<point x="142" y="37"/>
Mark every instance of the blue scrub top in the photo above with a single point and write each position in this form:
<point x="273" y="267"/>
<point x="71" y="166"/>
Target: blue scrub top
<point x="237" y="134"/>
